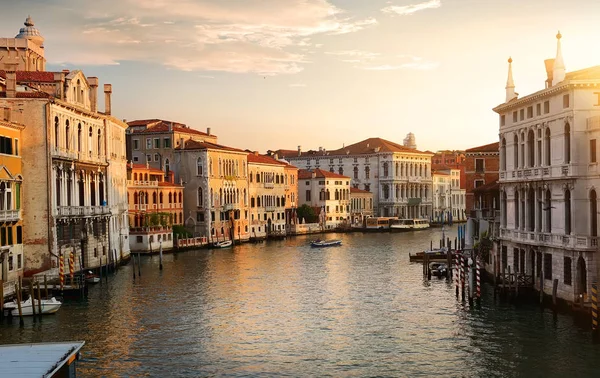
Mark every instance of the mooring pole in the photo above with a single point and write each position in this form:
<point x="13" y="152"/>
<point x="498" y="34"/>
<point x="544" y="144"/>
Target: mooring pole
<point x="594" y="309"/>
<point x="478" y="271"/>
<point x="160" y="254"/>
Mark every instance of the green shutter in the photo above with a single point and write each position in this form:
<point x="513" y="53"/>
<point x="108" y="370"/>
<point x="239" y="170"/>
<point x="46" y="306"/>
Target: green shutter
<point x="18" y="194"/>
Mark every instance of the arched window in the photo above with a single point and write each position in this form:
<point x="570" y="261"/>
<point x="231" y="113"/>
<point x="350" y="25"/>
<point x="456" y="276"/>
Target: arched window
<point x="180" y="200"/>
<point x="547" y="150"/>
<point x="199" y="169"/>
<point x="258" y="201"/>
<point x="356" y="172"/>
<point x="90" y="135"/>
<point x="67" y="135"/>
<point x="56" y="132"/>
<point x="397" y="169"/>
<point x="515" y="152"/>
<point x="93" y="191"/>
<point x="548" y="209"/>
<point x="386" y="191"/>
<point x="200" y="198"/>
<point x="99" y="142"/>
<point x="170" y="197"/>
<point x="79" y="140"/>
<point x="341" y="170"/>
<point x="167" y="166"/>
<point x="154" y="197"/>
<point x="385" y="169"/>
<point x="593" y="213"/>
<point x="257" y="177"/>
<point x="160" y="198"/>
<point x="503" y="155"/>
<point x="367" y="172"/>
<point x="503" y="209"/>
<point x="517" y="206"/>
<point x="101" y="190"/>
<point x="530" y="149"/>
<point x="567" y="144"/>
<point x="567" y="212"/>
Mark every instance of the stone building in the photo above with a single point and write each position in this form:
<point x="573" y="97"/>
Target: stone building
<point x="361" y="206"/>
<point x="153" y="141"/>
<point x="11" y="179"/>
<point x="549" y="179"/>
<point x="74" y="192"/>
<point x="215" y="195"/>
<point x="155" y="206"/>
<point x="327" y="191"/>
<point x="448" y="197"/>
<point x="291" y="192"/>
<point x="398" y="176"/>
<point x="266" y="188"/>
<point x="481" y="168"/>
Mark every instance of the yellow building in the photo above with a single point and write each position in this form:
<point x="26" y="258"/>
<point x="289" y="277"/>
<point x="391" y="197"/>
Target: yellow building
<point x="291" y="193"/>
<point x="11" y="229"/>
<point x="155" y="205"/>
<point x="216" y="190"/>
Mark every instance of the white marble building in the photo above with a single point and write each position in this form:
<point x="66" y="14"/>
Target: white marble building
<point x="448" y="197"/>
<point x="549" y="179"/>
<point x="328" y="191"/>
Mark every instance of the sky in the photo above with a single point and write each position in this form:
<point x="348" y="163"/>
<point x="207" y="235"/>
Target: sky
<point x="270" y="74"/>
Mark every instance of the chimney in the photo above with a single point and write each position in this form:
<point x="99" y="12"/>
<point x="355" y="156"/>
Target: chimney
<point x="549" y="63"/>
<point x="208" y="130"/>
<point x="276" y="156"/>
<point x="182" y="143"/>
<point x="299" y="150"/>
<point x="66" y="72"/>
<point x="93" y="81"/>
<point x="255" y="153"/>
<point x="59" y="77"/>
<point x="107" y="93"/>
<point x="11" y="84"/>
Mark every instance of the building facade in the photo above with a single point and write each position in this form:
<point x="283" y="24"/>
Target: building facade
<point x="361" y="206"/>
<point x="266" y="188"/>
<point x="549" y="179"/>
<point x="215" y="195"/>
<point x="398" y="176"/>
<point x="481" y="168"/>
<point x="291" y="192"/>
<point x="66" y="163"/>
<point x="327" y="191"/>
<point x="448" y="198"/>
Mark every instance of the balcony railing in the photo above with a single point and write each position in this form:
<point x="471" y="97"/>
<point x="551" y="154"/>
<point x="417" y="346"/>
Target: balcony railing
<point x="82" y="211"/>
<point x="142" y="183"/>
<point x="269" y="185"/>
<point x="551" y="240"/>
<point x="270" y="208"/>
<point x="10" y="215"/>
<point x="555" y="171"/>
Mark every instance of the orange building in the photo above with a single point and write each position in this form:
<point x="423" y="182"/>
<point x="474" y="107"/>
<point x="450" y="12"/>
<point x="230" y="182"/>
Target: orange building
<point x="155" y="205"/>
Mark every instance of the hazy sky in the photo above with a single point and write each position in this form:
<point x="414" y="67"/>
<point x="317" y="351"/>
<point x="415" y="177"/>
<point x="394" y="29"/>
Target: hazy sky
<point x="267" y="74"/>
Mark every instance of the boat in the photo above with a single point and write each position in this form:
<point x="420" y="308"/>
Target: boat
<point x="223" y="244"/>
<point x="49" y="306"/>
<point x="439" y="269"/>
<point x="325" y="243"/>
<point x="92" y="278"/>
<point x="409" y="224"/>
<point x="438" y="254"/>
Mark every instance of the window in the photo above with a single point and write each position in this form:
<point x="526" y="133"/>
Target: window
<point x="199" y="169"/>
<point x="479" y="165"/>
<point x="530" y="112"/>
<point x="546" y="107"/>
<point x="136" y="144"/>
<point x="522" y="114"/>
<point x="356" y="172"/>
<point x="136" y="159"/>
<point x="17" y="149"/>
<point x="308" y="196"/>
<point x="515" y="119"/>
<point x="19" y="235"/>
<point x="566" y="101"/>
<point x="538" y="109"/>
<point x="156" y="143"/>
<point x="167" y="143"/>
<point x="148" y="158"/>
<point x="502" y="120"/>
<point x="547" y="266"/>
<point x="139" y="239"/>
<point x="567" y="270"/>
<point x="5" y="145"/>
<point x="19" y="261"/>
<point x="593" y="158"/>
<point x="367" y="172"/>
<point x="156" y="157"/>
<point x="200" y="217"/>
<point x="10" y="263"/>
<point x="148" y="143"/>
<point x="341" y="170"/>
<point x="479" y="183"/>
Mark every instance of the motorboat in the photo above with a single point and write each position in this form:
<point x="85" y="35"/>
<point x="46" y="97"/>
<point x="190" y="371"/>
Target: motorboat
<point x="408" y="224"/>
<point x="439" y="269"/>
<point x="223" y="244"/>
<point x="49" y="306"/>
<point x="325" y="243"/>
<point x="436" y="254"/>
<point x="92" y="278"/>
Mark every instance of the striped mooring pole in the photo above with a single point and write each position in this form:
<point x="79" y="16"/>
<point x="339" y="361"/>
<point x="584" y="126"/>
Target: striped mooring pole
<point x="456" y="272"/>
<point x="462" y="276"/>
<point x="478" y="283"/>
<point x="71" y="266"/>
<point x="61" y="270"/>
<point x="594" y="308"/>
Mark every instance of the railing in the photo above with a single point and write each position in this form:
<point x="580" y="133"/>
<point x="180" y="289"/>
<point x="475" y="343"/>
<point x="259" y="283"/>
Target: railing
<point x="230" y="206"/>
<point x="142" y="183"/>
<point x="556" y="171"/>
<point x="140" y="207"/>
<point x="270" y="208"/>
<point x="10" y="215"/>
<point x="77" y="211"/>
<point x="549" y="239"/>
<point x="269" y="185"/>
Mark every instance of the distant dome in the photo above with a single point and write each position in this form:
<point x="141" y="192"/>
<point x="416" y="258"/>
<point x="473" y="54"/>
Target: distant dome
<point x="30" y="32"/>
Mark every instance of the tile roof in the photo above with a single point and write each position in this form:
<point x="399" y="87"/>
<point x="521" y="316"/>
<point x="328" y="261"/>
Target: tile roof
<point x="305" y="174"/>
<point x="492" y="147"/>
<point x="439" y="173"/>
<point x="166" y="183"/>
<point x="262" y="159"/>
<point x="143" y="167"/>
<point x="356" y="190"/>
<point x="590" y="73"/>
<point x="443" y="167"/>
<point x="367" y="146"/>
<point x="32" y="76"/>
<point x="161" y="126"/>
<point x="196" y="145"/>
<point x="489" y="187"/>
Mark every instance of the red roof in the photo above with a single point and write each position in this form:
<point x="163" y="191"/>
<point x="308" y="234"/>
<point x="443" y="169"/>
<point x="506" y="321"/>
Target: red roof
<point x="162" y="126"/>
<point x="32" y="76"/>
<point x="166" y="183"/>
<point x="144" y="167"/>
<point x="356" y="190"/>
<point x="492" y="147"/>
<point x="196" y="145"/>
<point x="367" y="146"/>
<point x="262" y="159"/>
<point x="305" y="174"/>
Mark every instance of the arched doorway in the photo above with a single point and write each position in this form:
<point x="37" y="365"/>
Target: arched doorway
<point x="581" y="280"/>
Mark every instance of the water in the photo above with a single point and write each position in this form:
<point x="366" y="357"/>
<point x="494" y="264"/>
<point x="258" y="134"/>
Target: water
<point x="284" y="309"/>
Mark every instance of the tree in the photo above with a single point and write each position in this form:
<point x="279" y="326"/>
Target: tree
<point x="307" y="213"/>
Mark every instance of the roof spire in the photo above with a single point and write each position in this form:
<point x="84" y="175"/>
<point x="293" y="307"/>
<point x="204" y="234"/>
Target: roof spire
<point x="558" y="74"/>
<point x="510" y="84"/>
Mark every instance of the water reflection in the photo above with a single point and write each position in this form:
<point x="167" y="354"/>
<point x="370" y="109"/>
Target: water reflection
<point x="285" y="309"/>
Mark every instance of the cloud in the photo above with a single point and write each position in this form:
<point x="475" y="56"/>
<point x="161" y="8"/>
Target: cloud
<point x="411" y="65"/>
<point x="403" y="10"/>
<point x="252" y="36"/>
<point x="298" y="85"/>
<point x="373" y="61"/>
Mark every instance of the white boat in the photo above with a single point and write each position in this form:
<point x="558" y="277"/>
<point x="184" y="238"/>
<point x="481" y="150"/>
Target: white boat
<point x="49" y="306"/>
<point x="223" y="244"/>
<point x="409" y="224"/>
<point x="92" y="278"/>
<point x="325" y="243"/>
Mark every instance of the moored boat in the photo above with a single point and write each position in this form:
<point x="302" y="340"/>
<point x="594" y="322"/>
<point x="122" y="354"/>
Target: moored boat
<point x="223" y="244"/>
<point x="92" y="278"/>
<point x="439" y="254"/>
<point x="325" y="243"/>
<point x="49" y="306"/>
<point x="439" y="269"/>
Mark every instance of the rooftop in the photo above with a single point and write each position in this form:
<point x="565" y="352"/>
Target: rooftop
<point x="36" y="360"/>
<point x="356" y="190"/>
<point x="367" y="146"/>
<point x="162" y="126"/>
<point x="196" y="145"/>
<point x="306" y="174"/>
<point x="263" y="159"/>
<point x="492" y="147"/>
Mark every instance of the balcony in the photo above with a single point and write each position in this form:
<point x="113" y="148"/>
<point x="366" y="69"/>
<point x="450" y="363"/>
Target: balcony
<point x="539" y="173"/>
<point x="578" y="242"/>
<point x="10" y="215"/>
<point x="270" y="208"/>
<point x="82" y="211"/>
<point x="230" y="206"/>
<point x="486" y="214"/>
<point x="142" y="183"/>
<point x="269" y="185"/>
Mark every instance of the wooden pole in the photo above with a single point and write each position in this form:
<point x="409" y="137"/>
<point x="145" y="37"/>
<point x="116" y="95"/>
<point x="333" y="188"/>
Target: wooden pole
<point x="503" y="280"/>
<point x="478" y="283"/>
<point x="462" y="276"/>
<point x="46" y="285"/>
<point x="448" y="264"/>
<point x="32" y="298"/>
<point x="554" y="289"/>
<point x="594" y="309"/>
<point x="160" y="266"/>
<point x="39" y="298"/>
<point x="139" y="266"/>
<point x="1" y="299"/>
<point x="100" y="269"/>
<point x="455" y="272"/>
<point x="18" y="291"/>
<point x="516" y="284"/>
<point x="542" y="286"/>
<point x="133" y="263"/>
<point x="510" y="283"/>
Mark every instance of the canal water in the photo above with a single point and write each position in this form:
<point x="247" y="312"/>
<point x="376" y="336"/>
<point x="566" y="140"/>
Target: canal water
<point x="284" y="309"/>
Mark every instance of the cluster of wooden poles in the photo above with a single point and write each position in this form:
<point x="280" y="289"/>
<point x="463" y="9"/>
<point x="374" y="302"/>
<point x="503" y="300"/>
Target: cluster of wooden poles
<point x="35" y="291"/>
